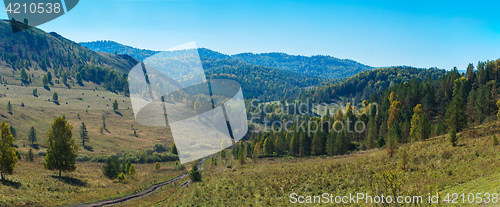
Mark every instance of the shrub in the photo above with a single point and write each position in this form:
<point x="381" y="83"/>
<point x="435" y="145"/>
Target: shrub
<point x="179" y="166"/>
<point x="121" y="178"/>
<point x="42" y="153"/>
<point x="157" y="165"/>
<point x="83" y="158"/>
<point x="495" y="140"/>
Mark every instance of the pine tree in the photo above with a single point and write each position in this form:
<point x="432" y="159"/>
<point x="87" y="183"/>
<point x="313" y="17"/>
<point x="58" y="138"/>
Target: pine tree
<point x="45" y="80"/>
<point x="330" y="145"/>
<point x="8" y="157"/>
<point x="32" y="135"/>
<point x="371" y="133"/>
<point x="9" y="108"/>
<point x="55" y="97"/>
<point x="24" y="75"/>
<point x="195" y="174"/>
<point x="294" y="146"/>
<point x="84" y="134"/>
<point x="420" y="126"/>
<point x="49" y="77"/>
<point x="453" y="137"/>
<point x="256" y="152"/>
<point x="35" y="92"/>
<point x="79" y="79"/>
<point x="455" y="114"/>
<point x="30" y="157"/>
<point x="131" y="171"/>
<point x="268" y="146"/>
<point x="341" y="144"/>
<point x="173" y="149"/>
<point x="61" y="147"/>
<point x="115" y="105"/>
<point x="13" y="131"/>
<point x="241" y="157"/>
<point x="111" y="168"/>
<point x="317" y="146"/>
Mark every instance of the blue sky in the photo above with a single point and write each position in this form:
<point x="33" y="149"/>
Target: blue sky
<point x="378" y="33"/>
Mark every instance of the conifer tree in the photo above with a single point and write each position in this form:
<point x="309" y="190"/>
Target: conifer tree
<point x="420" y="126"/>
<point x="84" y="134"/>
<point x="8" y="157"/>
<point x="32" y="135"/>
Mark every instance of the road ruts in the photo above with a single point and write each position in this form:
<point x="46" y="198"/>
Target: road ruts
<point x="142" y="193"/>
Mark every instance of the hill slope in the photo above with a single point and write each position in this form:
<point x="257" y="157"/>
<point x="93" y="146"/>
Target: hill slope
<point x="39" y="52"/>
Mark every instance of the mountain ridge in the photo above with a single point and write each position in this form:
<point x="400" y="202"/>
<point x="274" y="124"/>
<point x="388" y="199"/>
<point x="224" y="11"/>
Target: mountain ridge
<point x="324" y="66"/>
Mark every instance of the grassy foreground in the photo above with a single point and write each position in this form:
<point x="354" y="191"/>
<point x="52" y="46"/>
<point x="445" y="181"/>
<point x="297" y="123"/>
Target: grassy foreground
<point x="432" y="166"/>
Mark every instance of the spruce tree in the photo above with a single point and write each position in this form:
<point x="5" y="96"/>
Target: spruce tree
<point x="32" y="135"/>
<point x="84" y="134"/>
<point x="9" y="108"/>
<point x="115" y="105"/>
<point x="317" y="147"/>
<point x="61" y="147"/>
<point x="195" y="174"/>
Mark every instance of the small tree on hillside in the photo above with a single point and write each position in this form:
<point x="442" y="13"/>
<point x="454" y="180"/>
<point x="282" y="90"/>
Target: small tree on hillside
<point x="8" y="157"/>
<point x="115" y="105"/>
<point x="111" y="167"/>
<point x="61" y="147"/>
<point x="30" y="156"/>
<point x="241" y="157"/>
<point x="453" y="137"/>
<point x="35" y="92"/>
<point x="173" y="150"/>
<point x="195" y="174"/>
<point x="55" y="97"/>
<point x="32" y="136"/>
<point x="157" y="166"/>
<point x="131" y="171"/>
<point x="24" y="76"/>
<point x="84" y="134"/>
<point x="9" y="108"/>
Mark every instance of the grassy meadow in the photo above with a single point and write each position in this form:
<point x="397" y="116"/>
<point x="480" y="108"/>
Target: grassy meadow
<point x="32" y="185"/>
<point x="432" y="166"/>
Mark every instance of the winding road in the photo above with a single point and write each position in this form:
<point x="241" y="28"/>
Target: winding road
<point x="142" y="193"/>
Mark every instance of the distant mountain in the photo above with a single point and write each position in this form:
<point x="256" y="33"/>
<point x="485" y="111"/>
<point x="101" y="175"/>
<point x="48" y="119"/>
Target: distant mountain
<point x="319" y="65"/>
<point x="37" y="53"/>
<point x="111" y="47"/>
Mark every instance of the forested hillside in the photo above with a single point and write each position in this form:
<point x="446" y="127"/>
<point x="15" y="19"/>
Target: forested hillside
<point x="364" y="84"/>
<point x="321" y="66"/>
<point x="33" y="57"/>
<point x="405" y="112"/>
<point x="318" y="65"/>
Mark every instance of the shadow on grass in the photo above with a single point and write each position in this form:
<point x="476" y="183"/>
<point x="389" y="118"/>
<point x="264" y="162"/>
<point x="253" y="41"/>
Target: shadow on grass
<point x="13" y="184"/>
<point x="117" y="112"/>
<point x="46" y="88"/>
<point x="88" y="148"/>
<point x="57" y="103"/>
<point x="71" y="181"/>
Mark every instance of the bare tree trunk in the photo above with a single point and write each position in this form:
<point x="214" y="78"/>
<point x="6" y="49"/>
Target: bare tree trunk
<point x="59" y="173"/>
